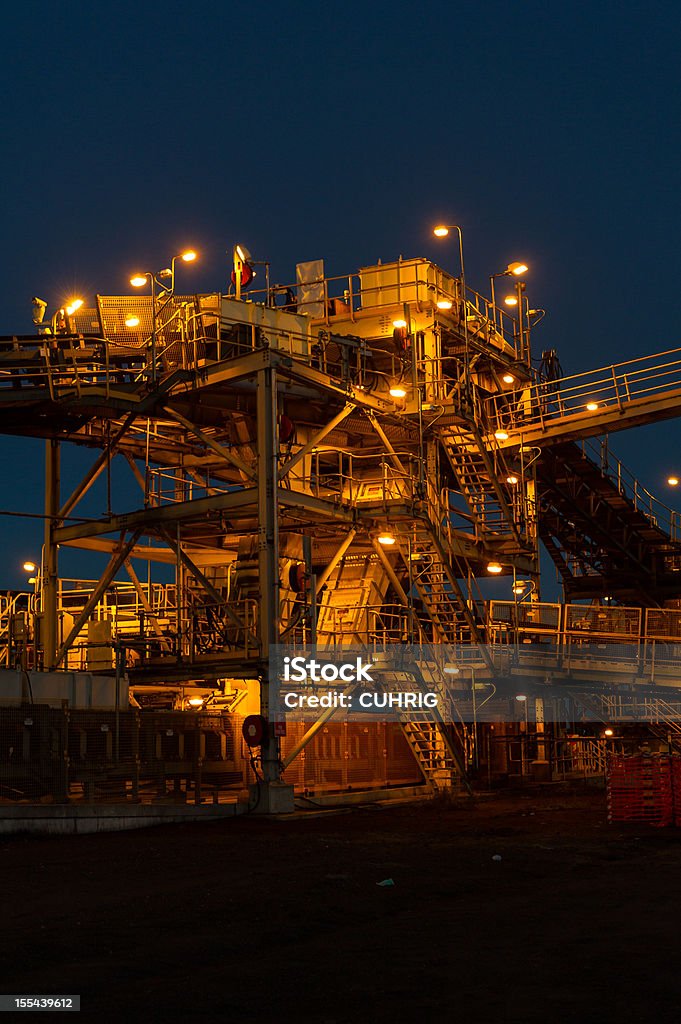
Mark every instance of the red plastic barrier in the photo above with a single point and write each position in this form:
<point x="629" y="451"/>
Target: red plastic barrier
<point x="644" y="788"/>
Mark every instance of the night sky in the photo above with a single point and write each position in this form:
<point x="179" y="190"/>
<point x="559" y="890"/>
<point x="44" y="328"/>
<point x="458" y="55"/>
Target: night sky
<point x="550" y="132"/>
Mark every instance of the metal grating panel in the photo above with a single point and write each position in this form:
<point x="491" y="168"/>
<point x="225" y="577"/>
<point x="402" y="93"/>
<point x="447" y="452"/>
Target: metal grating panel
<point x="176" y="322"/>
<point x="616" y="621"/>
<point x="85" y="321"/>
<point x="115" y="309"/>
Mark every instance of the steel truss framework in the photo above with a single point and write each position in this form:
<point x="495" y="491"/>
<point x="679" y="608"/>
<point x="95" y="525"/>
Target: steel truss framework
<point x="271" y="455"/>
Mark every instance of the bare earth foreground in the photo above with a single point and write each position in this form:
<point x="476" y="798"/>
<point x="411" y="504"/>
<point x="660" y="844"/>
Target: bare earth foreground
<point x="254" y="920"/>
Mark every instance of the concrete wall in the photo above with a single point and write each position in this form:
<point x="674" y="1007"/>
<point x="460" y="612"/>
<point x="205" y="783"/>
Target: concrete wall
<point x="80" y="689"/>
<point x="70" y="819"/>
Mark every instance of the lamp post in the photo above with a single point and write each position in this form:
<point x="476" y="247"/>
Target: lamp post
<point x="514" y="269"/>
<point x="441" y="231"/>
<point x="156" y="279"/>
<point x="532" y="317"/>
<point x="138" y="281"/>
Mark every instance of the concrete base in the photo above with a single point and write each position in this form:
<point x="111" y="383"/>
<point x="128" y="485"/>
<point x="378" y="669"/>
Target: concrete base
<point x="271" y="798"/>
<point x="361" y="797"/>
<point x="70" y="819"/>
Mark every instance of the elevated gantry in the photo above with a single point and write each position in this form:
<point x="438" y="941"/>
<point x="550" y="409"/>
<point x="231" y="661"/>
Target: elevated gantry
<point x="331" y="462"/>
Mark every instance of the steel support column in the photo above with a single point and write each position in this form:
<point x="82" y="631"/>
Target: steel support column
<point x="49" y="567"/>
<point x="268" y="556"/>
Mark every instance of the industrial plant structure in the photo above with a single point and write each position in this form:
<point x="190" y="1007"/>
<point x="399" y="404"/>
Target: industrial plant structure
<point x="341" y="461"/>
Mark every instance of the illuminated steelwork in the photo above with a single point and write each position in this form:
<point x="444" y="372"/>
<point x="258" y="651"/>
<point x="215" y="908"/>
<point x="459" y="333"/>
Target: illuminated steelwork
<point x="337" y="469"/>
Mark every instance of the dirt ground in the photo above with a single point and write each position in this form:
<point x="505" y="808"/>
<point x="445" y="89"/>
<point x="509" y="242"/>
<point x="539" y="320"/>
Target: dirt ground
<point x="252" y="920"/>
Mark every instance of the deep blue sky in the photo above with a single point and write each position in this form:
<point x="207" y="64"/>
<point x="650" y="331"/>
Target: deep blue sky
<point x="550" y="132"/>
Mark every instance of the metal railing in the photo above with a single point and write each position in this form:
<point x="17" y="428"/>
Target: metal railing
<point x="611" y="387"/>
<point x="659" y="513"/>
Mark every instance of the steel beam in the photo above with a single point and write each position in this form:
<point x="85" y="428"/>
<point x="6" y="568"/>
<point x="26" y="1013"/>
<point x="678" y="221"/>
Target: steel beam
<point x="395" y="459"/>
<point x="96" y="468"/>
<point x="392" y="575"/>
<point x="147" y="553"/>
<point x="220" y="450"/>
<point x="49" y="567"/>
<point x="316" y="440"/>
<point x="308" y="503"/>
<point x="228" y="371"/>
<point x="268" y="557"/>
<point x="293" y="370"/>
<point x="205" y="583"/>
<point x="146" y="520"/>
<point x="323" y="578"/>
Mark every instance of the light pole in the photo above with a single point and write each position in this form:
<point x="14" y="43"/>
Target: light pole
<point x="521" y="301"/>
<point x="139" y="280"/>
<point x="441" y="231"/>
<point x="513" y="269"/>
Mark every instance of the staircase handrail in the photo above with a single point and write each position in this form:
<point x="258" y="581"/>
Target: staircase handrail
<point x="630" y="486"/>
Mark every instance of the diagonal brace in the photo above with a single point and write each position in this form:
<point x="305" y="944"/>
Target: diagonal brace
<point x="112" y="568"/>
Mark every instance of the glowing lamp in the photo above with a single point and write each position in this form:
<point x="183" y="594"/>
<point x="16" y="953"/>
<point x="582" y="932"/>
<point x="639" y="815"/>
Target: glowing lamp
<point x="495" y="568"/>
<point x="512" y="479"/>
<point x="517" y="268"/>
<point x="386" y="539"/>
<point x="138" y="281"/>
<point x="189" y="256"/>
<point x="508" y="378"/>
<point x="441" y="231"/>
<point x="501" y="435"/>
<point x="673" y="481"/>
<point x="511" y="300"/>
<point x="397" y="391"/>
<point x="592" y="406"/>
<point x="399" y="324"/>
<point x="29" y="567"/>
<point x="132" y="321"/>
<point x="73" y="305"/>
<point x="444" y="304"/>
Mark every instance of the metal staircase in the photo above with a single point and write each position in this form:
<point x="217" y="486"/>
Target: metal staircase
<point x="428" y="742"/>
<point x="479" y="472"/>
<point x="438" y="745"/>
<point x="444" y="611"/>
<point x="604" y="539"/>
<point x="665" y="723"/>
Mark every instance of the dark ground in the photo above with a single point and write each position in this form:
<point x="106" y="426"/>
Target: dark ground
<point x="254" y="920"/>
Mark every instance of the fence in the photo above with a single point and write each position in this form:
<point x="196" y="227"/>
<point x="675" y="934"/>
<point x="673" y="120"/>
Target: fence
<point x="67" y="755"/>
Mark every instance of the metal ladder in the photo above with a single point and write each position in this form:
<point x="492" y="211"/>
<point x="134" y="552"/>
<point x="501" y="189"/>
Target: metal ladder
<point x="425" y="548"/>
<point x="478" y="472"/>
<point x="426" y="737"/>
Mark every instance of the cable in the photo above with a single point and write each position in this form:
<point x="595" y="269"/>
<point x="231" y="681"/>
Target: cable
<point x="43" y="515"/>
